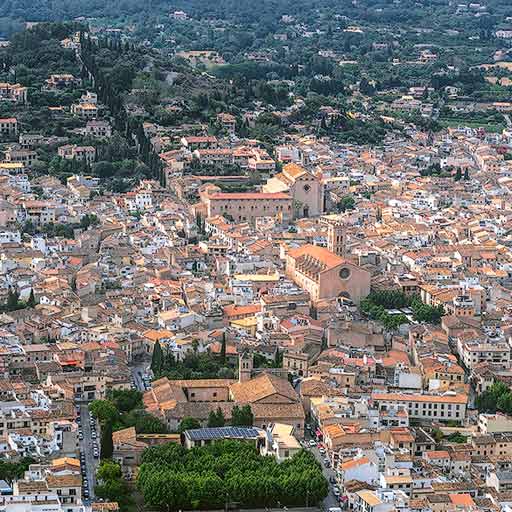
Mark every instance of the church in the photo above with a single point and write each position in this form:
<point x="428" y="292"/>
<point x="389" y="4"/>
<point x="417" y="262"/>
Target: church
<point x="305" y="189"/>
<point x="326" y="275"/>
<point x="272" y="398"/>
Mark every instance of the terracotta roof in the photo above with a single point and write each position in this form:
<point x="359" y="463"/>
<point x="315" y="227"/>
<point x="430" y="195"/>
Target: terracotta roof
<point x="233" y="310"/>
<point x="437" y="454"/>
<point x="462" y="500"/>
<point x="321" y="254"/>
<point x="294" y="170"/>
<point x="261" y="387"/>
<point x="251" y="196"/>
<point x="353" y="463"/>
<point x="156" y="335"/>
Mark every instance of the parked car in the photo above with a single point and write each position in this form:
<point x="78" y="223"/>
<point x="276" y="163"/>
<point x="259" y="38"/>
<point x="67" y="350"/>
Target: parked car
<point x="312" y="443"/>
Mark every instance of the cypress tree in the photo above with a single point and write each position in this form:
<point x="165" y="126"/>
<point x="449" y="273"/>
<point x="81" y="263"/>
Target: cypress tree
<point x="157" y="359"/>
<point x="107" y="445"/>
<point x="31" y="299"/>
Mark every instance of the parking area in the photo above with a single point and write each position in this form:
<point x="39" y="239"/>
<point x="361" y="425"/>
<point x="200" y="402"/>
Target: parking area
<point x="88" y="435"/>
<point x="317" y="448"/>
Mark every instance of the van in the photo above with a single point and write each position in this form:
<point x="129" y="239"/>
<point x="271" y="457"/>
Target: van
<point x="334" y="509"/>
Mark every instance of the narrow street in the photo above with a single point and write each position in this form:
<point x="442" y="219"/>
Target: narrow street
<point x="86" y="448"/>
<point x="329" y="473"/>
<point x="138" y="370"/>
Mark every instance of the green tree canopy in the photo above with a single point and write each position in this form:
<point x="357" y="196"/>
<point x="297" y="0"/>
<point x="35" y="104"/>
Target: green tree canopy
<point x="104" y="410"/>
<point x="209" y="477"/>
<point x="188" y="423"/>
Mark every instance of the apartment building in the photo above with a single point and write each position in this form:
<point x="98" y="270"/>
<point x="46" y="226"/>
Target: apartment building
<point x="17" y="154"/>
<point x="98" y="129"/>
<point x="475" y="352"/>
<point x="8" y="127"/>
<point x="427" y="407"/>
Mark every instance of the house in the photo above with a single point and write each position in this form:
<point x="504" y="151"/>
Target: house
<point x="85" y="154"/>
<point x="199" y="142"/>
<point x="280" y="442"/>
<point x="14" y="93"/>
<point x="8" y="127"/>
<point x="85" y="110"/>
<point x="359" y="468"/>
<point x="61" y="81"/>
<point x="100" y="129"/>
<point x="17" y="154"/>
<point x="227" y="122"/>
<point x="129" y="447"/>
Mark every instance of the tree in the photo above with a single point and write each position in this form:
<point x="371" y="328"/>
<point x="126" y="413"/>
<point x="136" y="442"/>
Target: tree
<point x="143" y="422"/>
<point x="223" y="348"/>
<point x="126" y="399"/>
<point x="104" y="410"/>
<point x="13" y="298"/>
<point x="437" y="434"/>
<point x="496" y="397"/>
<point x="112" y="486"/>
<point x="466" y="174"/>
<point x="188" y="423"/>
<point x="346" y="203"/>
<point x="242" y="416"/>
<point x="31" y="299"/>
<point x="11" y="471"/>
<point x="225" y="471"/>
<point x="216" y="418"/>
<point x="458" y="174"/>
<point x="107" y="446"/>
<point x="109" y="470"/>
<point x="457" y="437"/>
<point x="157" y="359"/>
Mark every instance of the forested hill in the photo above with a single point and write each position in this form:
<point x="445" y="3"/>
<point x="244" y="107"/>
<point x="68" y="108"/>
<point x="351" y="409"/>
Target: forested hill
<point x="408" y="11"/>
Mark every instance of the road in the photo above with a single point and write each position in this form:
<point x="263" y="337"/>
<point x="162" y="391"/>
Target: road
<point x="329" y="473"/>
<point x="86" y="444"/>
<point x="138" y="370"/>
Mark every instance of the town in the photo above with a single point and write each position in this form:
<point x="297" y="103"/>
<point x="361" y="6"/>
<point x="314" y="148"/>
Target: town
<point x="237" y="284"/>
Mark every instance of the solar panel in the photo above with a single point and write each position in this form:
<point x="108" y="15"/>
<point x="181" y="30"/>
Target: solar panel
<point x="206" y="434"/>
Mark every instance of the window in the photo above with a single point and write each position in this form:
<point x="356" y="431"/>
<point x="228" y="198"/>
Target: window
<point x="344" y="273"/>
